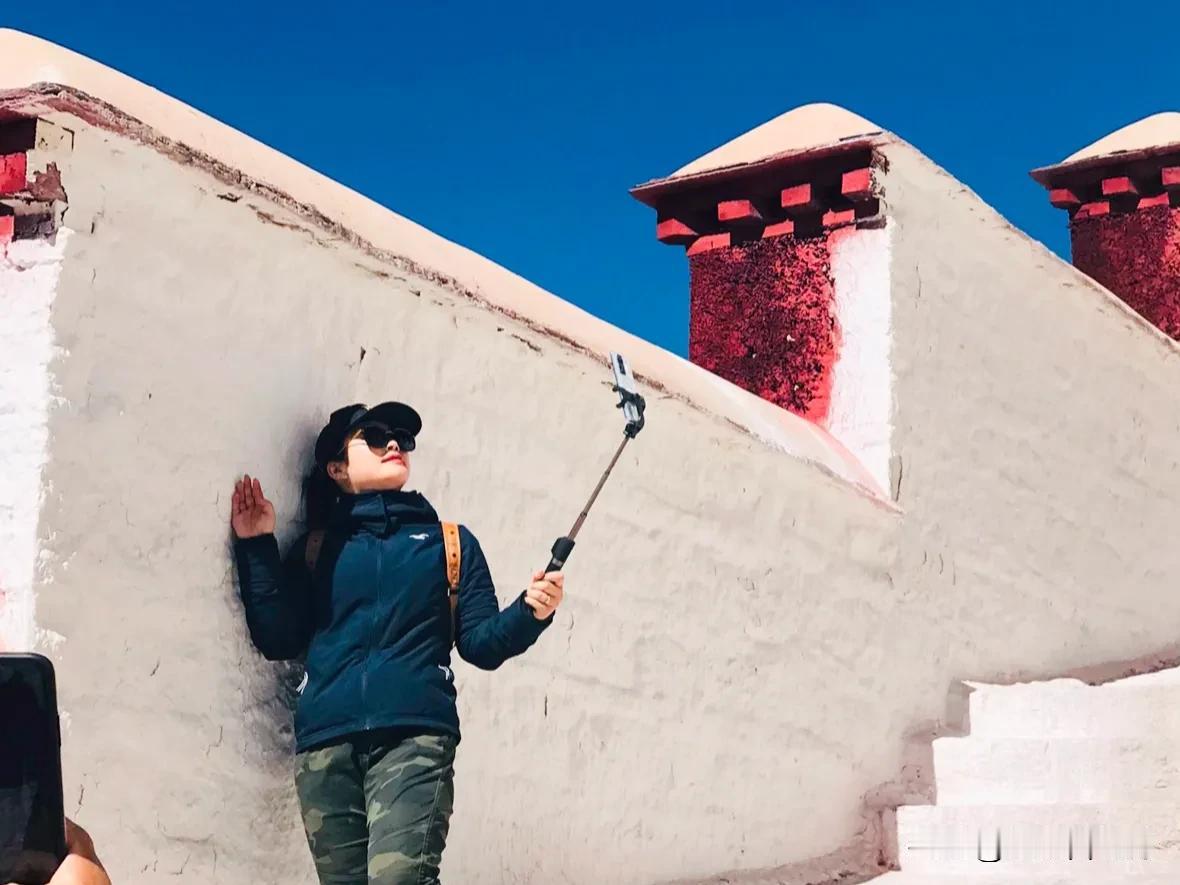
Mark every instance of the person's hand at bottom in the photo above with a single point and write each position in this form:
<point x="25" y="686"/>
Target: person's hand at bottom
<point x="81" y="866"/>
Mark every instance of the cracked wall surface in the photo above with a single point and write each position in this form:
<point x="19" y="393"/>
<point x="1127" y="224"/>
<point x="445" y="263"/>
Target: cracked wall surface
<point x="752" y="651"/>
<point x="202" y="336"/>
<point x="1039" y="434"/>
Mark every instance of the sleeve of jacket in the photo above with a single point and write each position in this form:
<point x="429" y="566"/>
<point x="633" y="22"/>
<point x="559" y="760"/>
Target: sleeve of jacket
<point x="485" y="635"/>
<point x="276" y="595"/>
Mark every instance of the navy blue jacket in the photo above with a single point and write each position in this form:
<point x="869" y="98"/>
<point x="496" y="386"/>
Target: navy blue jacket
<point x="374" y="619"/>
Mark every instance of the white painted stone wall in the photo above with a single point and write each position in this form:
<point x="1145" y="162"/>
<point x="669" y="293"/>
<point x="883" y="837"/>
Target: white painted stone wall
<point x="1038" y="433"/>
<point x="202" y="337"/>
<point x="861" y="411"/>
<point x="752" y="647"/>
<point x="1078" y="782"/>
<point x="28" y="281"/>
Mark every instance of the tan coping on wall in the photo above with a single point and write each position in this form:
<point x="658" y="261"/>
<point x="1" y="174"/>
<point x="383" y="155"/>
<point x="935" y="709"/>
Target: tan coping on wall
<point x="38" y="77"/>
<point x="805" y="135"/>
<point x="1144" y="139"/>
<point x="1154" y="131"/>
<point x="800" y="129"/>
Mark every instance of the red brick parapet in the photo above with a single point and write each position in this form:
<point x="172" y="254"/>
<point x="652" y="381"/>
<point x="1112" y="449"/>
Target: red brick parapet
<point x="1124" y="212"/>
<point x="757" y="240"/>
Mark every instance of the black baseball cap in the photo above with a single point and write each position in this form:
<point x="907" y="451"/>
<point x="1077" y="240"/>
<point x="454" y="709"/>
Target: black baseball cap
<point x="343" y="421"/>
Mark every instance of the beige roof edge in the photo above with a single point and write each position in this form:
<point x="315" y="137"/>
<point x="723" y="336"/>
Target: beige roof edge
<point x="799" y="129"/>
<point x="1155" y="135"/>
<point x="1153" y="131"/>
<point x="650" y="191"/>
<point x="1047" y="176"/>
<point x="38" y="77"/>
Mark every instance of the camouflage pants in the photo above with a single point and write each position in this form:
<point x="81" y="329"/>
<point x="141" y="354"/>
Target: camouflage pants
<point x="377" y="807"/>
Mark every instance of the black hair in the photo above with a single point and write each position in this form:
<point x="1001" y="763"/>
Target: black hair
<point x="320" y="494"/>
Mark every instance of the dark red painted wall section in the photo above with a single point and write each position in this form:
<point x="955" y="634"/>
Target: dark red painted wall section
<point x="763" y="317"/>
<point x="1125" y="225"/>
<point x="1137" y="256"/>
<point x="759" y="245"/>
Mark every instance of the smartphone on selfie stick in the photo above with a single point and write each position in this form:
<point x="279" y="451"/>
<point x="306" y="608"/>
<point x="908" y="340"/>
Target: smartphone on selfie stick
<point x="32" y="812"/>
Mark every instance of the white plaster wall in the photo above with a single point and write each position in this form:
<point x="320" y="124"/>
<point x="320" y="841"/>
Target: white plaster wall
<point x="749" y="643"/>
<point x="1039" y="451"/>
<point x="77" y="86"/>
<point x="861" y="411"/>
<point x="28" y="281"/>
<point x="1038" y="435"/>
<point x="1038" y="457"/>
<point x="1047" y="758"/>
<point x="666" y="726"/>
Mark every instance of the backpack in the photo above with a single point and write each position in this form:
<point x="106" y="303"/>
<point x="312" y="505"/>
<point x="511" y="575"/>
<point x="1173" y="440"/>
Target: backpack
<point x="315" y="543"/>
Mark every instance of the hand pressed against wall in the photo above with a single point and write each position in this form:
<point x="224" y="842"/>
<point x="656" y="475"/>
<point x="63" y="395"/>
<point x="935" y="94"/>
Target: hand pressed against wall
<point x="250" y="513"/>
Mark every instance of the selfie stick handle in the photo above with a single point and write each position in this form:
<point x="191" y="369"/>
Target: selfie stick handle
<point x="564" y="546"/>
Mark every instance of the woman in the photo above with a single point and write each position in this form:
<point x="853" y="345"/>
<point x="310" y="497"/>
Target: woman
<point x="365" y="596"/>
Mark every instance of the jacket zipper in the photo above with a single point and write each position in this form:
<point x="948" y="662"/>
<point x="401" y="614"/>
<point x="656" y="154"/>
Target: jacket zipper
<point x="372" y="633"/>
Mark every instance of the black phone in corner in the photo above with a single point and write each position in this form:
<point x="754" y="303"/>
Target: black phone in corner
<point x="32" y="813"/>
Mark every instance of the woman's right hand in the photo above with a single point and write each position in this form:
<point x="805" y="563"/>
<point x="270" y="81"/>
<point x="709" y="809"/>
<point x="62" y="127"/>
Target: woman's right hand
<point x="252" y="515"/>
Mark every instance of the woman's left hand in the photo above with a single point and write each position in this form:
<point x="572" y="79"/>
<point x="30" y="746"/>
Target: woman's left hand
<point x="544" y="594"/>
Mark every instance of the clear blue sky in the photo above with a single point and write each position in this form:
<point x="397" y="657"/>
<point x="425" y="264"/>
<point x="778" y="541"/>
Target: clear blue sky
<point x="517" y="128"/>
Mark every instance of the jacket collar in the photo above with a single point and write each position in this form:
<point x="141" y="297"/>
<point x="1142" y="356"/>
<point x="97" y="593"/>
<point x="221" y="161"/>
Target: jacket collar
<point x="382" y="512"/>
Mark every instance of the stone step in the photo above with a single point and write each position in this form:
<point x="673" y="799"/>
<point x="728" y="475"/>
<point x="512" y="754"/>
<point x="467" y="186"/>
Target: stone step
<point x="1142" y="705"/>
<point x="1140" y="837"/>
<point x="978" y="770"/>
<point x="1017" y="878"/>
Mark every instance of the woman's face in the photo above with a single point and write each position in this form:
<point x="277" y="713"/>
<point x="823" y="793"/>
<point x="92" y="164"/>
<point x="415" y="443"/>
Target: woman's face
<point x="368" y="469"/>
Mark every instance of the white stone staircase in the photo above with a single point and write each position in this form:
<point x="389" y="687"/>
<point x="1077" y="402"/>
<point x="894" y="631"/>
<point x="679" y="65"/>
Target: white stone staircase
<point x="1044" y="760"/>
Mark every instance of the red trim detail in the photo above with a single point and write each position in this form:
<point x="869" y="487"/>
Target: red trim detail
<point x="1064" y="198"/>
<point x="834" y="217"/>
<point x="1118" y="186"/>
<point x="675" y="232"/>
<point x="857" y="185"/>
<point x="782" y="229"/>
<point x="708" y="243"/>
<point x="1091" y="209"/>
<point x="798" y="198"/>
<point x="738" y="212"/>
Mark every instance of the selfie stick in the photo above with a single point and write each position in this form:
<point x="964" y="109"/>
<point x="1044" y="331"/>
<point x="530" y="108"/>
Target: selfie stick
<point x="632" y="405"/>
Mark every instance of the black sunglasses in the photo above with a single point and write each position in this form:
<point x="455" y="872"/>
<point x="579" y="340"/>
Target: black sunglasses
<point x="378" y="436"/>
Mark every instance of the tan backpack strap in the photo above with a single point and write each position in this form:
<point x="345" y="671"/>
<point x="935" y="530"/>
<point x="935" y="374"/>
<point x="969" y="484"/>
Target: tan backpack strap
<point x="454" y="555"/>
<point x="311" y="553"/>
<point x="454" y="561"/>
